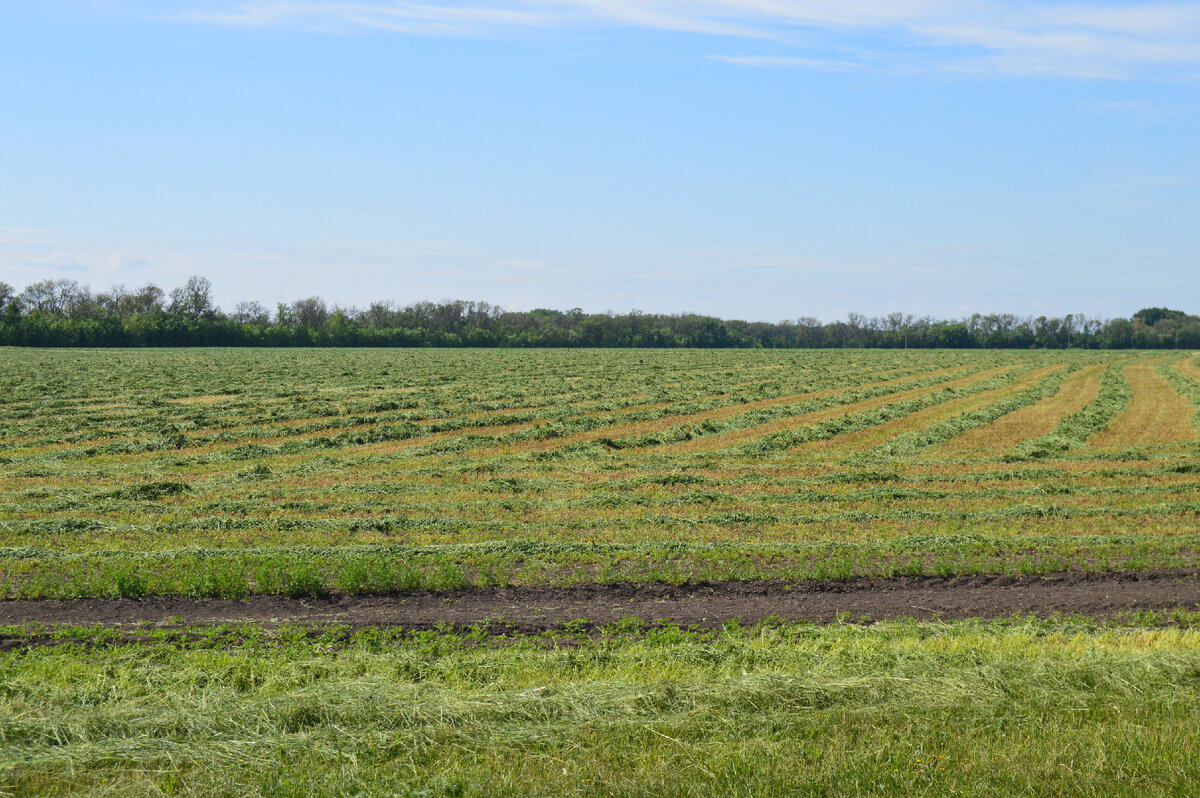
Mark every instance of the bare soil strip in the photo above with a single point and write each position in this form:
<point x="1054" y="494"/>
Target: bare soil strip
<point x="535" y="609"/>
<point x="1036" y="420"/>
<point x="1157" y="414"/>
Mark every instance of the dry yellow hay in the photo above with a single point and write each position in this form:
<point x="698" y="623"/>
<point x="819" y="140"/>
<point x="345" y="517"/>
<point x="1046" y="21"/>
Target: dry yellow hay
<point x="1157" y="414"/>
<point x="872" y="436"/>
<point x="1188" y="368"/>
<point x="666" y="422"/>
<point x="1034" y="421"/>
<point x="734" y="437"/>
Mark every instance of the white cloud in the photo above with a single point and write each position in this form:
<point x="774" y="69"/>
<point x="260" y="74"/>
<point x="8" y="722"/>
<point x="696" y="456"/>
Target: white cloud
<point x="1085" y="40"/>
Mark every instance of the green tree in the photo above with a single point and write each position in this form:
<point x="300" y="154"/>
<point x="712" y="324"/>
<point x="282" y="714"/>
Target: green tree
<point x="193" y="300"/>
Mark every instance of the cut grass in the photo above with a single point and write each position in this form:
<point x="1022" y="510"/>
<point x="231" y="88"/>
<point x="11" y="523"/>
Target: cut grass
<point x="326" y="473"/>
<point x="1034" y="421"/>
<point x="1157" y="414"/>
<point x="1074" y="431"/>
<point x="930" y="428"/>
<point x="1184" y="377"/>
<point x="390" y="451"/>
<point x="845" y="404"/>
<point x="1034" y="707"/>
<point x="299" y="571"/>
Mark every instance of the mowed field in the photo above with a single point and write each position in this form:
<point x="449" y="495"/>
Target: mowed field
<point x="205" y="472"/>
<point x="606" y="572"/>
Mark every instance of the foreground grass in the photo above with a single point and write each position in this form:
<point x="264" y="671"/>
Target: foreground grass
<point x="971" y="708"/>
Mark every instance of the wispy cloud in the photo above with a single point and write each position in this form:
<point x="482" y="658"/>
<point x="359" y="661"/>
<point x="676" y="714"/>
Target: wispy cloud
<point x="1082" y="40"/>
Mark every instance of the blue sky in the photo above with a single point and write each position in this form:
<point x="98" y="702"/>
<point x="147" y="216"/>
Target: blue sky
<point x="761" y="159"/>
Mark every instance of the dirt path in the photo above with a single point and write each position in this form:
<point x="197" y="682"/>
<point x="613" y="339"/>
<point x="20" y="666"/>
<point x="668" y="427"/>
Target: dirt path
<point x="537" y="608"/>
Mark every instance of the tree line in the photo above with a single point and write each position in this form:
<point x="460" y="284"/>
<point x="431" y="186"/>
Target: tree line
<point x="64" y="313"/>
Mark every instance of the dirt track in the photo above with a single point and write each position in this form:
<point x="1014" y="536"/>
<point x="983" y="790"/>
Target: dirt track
<point x="536" y="608"/>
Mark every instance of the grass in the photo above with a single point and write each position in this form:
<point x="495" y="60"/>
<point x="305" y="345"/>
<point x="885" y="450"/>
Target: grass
<point x="382" y="569"/>
<point x="979" y="413"/>
<point x="1158" y="414"/>
<point x="1055" y="706"/>
<point x="1034" y="420"/>
<point x="224" y="474"/>
<point x="1073" y="431"/>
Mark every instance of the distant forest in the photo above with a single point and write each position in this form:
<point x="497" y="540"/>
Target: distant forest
<point x="65" y="313"/>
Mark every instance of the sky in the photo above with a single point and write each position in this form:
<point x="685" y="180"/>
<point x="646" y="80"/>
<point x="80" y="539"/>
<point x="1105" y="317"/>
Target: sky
<point x="755" y="159"/>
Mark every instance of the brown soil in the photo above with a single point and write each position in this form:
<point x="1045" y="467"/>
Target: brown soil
<point x="534" y="609"/>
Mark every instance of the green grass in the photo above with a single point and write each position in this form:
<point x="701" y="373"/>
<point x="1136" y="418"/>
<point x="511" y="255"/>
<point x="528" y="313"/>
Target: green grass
<point x="383" y="569"/>
<point x="1000" y="708"/>
<point x="1185" y="386"/>
<point x="191" y="472"/>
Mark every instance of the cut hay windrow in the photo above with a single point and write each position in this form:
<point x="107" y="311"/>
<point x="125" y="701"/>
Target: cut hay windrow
<point x="1182" y="375"/>
<point x="999" y="403"/>
<point x="1032" y="421"/>
<point x="1074" y="430"/>
<point x="755" y="417"/>
<point x="691" y="422"/>
<point x="1157" y="413"/>
<point x="869" y="421"/>
<point x="751" y="427"/>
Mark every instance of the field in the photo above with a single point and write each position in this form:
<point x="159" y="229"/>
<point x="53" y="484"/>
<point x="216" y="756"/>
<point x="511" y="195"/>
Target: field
<point x="624" y="572"/>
